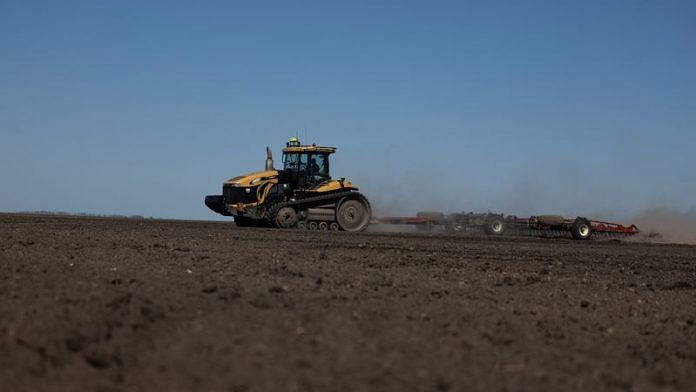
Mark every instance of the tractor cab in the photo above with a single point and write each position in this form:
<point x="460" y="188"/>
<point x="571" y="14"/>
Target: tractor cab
<point x="305" y="166"/>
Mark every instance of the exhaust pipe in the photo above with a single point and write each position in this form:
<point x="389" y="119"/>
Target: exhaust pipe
<point x="269" y="159"/>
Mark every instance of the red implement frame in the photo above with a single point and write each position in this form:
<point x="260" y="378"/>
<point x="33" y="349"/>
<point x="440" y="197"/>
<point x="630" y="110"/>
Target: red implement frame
<point x="532" y="223"/>
<point x="609" y="227"/>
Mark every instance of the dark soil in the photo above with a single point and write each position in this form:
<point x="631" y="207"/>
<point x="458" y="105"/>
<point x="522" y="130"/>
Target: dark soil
<point x="89" y="304"/>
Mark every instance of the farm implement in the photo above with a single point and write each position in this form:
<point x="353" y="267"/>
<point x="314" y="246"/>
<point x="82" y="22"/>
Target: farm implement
<point x="579" y="228"/>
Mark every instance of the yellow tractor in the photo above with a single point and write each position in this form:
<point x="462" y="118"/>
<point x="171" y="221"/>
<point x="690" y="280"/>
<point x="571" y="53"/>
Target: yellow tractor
<point x="300" y="195"/>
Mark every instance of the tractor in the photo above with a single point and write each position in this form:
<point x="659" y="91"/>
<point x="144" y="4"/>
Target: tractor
<point x="301" y="195"/>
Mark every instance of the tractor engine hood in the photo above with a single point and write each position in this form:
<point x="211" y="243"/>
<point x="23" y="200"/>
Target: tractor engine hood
<point x="252" y="179"/>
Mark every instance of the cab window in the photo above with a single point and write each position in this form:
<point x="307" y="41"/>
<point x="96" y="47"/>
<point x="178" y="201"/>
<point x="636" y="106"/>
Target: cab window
<point x="319" y="165"/>
<point x="290" y="161"/>
<point x="304" y="161"/>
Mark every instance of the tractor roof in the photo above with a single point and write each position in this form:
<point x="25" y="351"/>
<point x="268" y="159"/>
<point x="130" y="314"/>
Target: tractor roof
<point x="309" y="148"/>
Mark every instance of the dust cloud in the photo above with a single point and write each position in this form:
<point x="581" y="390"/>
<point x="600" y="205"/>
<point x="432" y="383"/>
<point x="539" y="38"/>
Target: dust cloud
<point x="667" y="225"/>
<point x="530" y="189"/>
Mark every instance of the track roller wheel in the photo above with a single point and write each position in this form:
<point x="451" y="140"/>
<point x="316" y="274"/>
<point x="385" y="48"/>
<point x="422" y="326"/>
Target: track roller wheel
<point x="302" y="225"/>
<point x="323" y="226"/>
<point x="334" y="226"/>
<point x="286" y="218"/>
<point x="353" y="213"/>
<point x="582" y="229"/>
<point x="312" y="225"/>
<point x="495" y="225"/>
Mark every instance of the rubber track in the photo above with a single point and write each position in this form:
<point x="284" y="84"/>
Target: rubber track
<point x="309" y="200"/>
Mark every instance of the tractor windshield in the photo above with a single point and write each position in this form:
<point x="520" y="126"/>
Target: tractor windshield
<point x="291" y="161"/>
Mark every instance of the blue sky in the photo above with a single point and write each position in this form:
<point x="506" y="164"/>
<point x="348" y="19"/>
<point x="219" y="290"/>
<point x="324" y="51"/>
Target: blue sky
<point x="521" y="107"/>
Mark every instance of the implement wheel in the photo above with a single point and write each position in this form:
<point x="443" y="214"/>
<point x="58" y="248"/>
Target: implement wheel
<point x="582" y="229"/>
<point x="353" y="214"/>
<point x="495" y="225"/>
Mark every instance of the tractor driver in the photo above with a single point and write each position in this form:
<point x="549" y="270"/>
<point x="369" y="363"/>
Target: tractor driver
<point x="313" y="167"/>
<point x="317" y="172"/>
